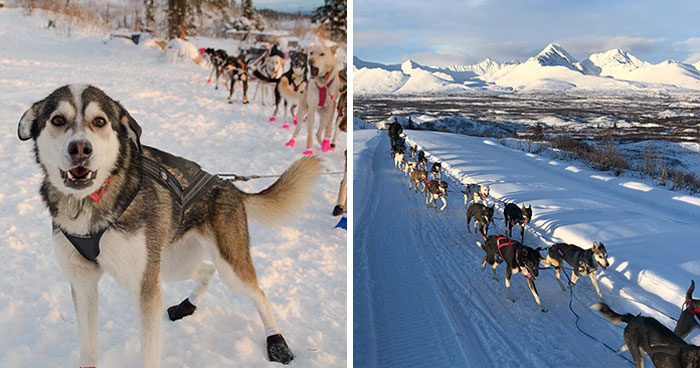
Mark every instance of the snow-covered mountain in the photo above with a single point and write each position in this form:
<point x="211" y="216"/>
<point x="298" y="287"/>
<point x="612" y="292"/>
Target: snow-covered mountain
<point x="553" y="69"/>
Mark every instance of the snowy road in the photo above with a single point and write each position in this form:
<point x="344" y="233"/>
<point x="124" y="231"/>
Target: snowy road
<point x="420" y="298"/>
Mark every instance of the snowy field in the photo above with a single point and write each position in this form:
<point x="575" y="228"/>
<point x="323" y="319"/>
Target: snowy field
<point x="420" y="298"/>
<point x="301" y="265"/>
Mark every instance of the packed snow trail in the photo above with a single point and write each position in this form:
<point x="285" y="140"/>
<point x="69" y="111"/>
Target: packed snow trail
<point x="420" y="298"/>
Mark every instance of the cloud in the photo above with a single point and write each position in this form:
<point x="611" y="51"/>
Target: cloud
<point x="440" y="57"/>
<point x="585" y="46"/>
<point x="507" y="51"/>
<point x="691" y="47"/>
<point x="373" y="38"/>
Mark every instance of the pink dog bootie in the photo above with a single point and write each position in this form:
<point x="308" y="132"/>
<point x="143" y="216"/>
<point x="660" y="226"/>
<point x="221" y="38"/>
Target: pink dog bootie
<point x="286" y="125"/>
<point x="296" y="121"/>
<point x="326" y="145"/>
<point x="291" y="143"/>
<point x="272" y="119"/>
<point x="309" y="151"/>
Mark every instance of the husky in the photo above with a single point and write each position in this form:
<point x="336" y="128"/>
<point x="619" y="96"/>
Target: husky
<point x="422" y="161"/>
<point x="435" y="171"/>
<point x="482" y="216"/>
<point x="290" y="87"/>
<point x="515" y="215"/>
<point x="412" y="149"/>
<point x="322" y="97"/>
<point x="647" y="335"/>
<point x="342" y="106"/>
<point x="477" y="192"/>
<point x="435" y="189"/>
<point x="266" y="66"/>
<point x="584" y="262"/>
<point x="398" y="159"/>
<point x="118" y="207"/>
<point x="409" y="166"/>
<point x="518" y="258"/>
<point x="235" y="69"/>
<point x="417" y="177"/>
<point x="217" y="58"/>
<point x="690" y="315"/>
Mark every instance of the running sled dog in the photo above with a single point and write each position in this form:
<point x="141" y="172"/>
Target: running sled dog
<point x="584" y="262"/>
<point x="119" y="207"/>
<point x="647" y="335"/>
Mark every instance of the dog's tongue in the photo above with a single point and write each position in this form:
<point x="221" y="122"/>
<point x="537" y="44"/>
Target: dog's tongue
<point x="79" y="171"/>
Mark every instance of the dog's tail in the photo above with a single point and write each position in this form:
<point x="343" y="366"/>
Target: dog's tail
<point x="287" y="195"/>
<point x="611" y="315"/>
<point x="689" y="293"/>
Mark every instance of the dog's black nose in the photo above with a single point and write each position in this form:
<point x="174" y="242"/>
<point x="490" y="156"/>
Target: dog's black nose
<point x="79" y="150"/>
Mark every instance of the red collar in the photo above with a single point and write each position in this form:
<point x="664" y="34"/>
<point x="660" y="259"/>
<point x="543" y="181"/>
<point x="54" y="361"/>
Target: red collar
<point x="686" y="306"/>
<point x="96" y="195"/>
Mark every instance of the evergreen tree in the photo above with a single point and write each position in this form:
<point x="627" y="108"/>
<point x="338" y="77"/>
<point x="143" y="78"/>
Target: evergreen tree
<point x="177" y="19"/>
<point x="334" y="15"/>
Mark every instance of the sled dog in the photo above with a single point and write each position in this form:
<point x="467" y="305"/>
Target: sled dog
<point x="690" y="315"/>
<point x="119" y="207"/>
<point x="584" y="262"/>
<point x="477" y="192"/>
<point x="322" y="98"/>
<point x="290" y="88"/>
<point x="482" y="216"/>
<point x="435" y="189"/>
<point x="417" y="177"/>
<point x="519" y="258"/>
<point x="515" y="215"/>
<point x="647" y="335"/>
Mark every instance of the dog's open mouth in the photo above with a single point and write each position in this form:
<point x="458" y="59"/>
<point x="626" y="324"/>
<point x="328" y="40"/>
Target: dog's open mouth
<point x="314" y="71"/>
<point x="78" y="177"/>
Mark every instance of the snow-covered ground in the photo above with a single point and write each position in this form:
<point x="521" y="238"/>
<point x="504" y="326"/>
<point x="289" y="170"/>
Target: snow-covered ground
<point x="301" y="265"/>
<point x="420" y="298"/>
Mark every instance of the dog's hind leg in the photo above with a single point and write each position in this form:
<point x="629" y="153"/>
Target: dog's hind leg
<point x="235" y="267"/>
<point x="632" y="340"/>
<point x="533" y="290"/>
<point x="493" y="275"/>
<point x="444" y="203"/>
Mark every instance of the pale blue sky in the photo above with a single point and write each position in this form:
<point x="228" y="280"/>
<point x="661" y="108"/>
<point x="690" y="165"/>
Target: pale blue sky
<point x="441" y="32"/>
<point x="288" y="5"/>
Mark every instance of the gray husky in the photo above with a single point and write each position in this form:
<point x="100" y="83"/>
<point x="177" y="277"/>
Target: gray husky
<point x="584" y="262"/>
<point x="647" y="335"/>
<point x="120" y="207"/>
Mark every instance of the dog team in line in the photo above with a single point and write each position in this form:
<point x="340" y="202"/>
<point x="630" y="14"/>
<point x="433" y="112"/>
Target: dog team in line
<point x="312" y="85"/>
<point x="666" y="348"/>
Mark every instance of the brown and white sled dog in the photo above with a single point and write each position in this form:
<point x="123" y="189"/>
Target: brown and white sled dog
<point x="111" y="214"/>
<point x="321" y="98"/>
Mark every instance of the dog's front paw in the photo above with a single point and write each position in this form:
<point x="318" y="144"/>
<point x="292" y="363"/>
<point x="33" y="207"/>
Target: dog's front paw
<point x="543" y="308"/>
<point x="181" y="310"/>
<point x="277" y="349"/>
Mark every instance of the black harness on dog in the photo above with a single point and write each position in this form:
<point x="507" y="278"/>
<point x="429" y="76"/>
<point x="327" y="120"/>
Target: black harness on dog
<point x="89" y="245"/>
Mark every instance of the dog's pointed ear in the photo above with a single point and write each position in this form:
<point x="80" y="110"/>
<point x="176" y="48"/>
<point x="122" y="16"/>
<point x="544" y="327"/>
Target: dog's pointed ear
<point x="334" y="49"/>
<point x="132" y="127"/>
<point x="595" y="246"/>
<point x="26" y="122"/>
<point x="689" y="293"/>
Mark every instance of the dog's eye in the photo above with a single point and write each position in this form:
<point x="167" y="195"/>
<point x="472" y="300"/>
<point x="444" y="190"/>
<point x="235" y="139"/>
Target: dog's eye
<point x="99" y="122"/>
<point x="58" y="120"/>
